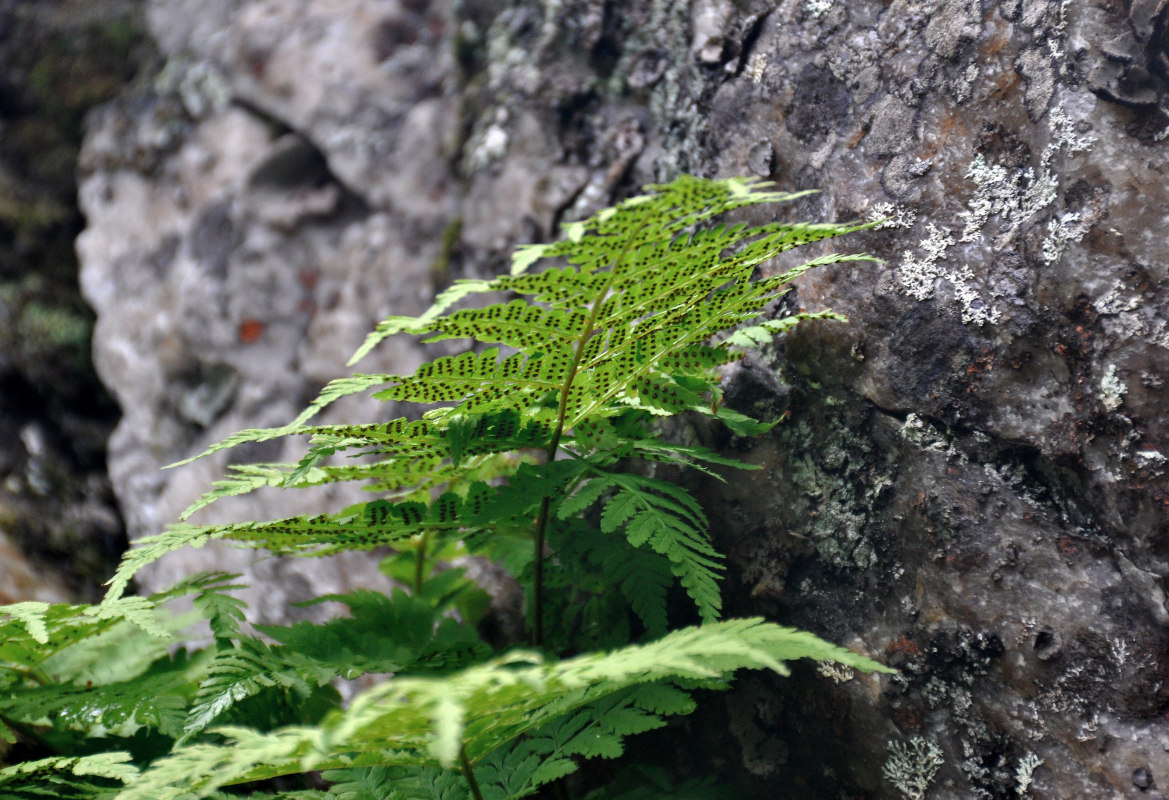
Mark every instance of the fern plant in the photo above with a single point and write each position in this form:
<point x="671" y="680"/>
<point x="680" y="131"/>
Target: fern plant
<point x="527" y="453"/>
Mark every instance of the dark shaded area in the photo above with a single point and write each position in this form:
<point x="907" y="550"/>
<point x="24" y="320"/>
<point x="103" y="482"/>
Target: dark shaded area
<point x="59" y="59"/>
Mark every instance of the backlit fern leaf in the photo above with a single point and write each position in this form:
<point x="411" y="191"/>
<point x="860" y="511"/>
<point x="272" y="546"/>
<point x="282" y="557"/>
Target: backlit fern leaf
<point x="241" y="479"/>
<point x="395" y="325"/>
<point x="485" y="381"/>
<point x="765" y="332"/>
<point x="414" y="721"/>
<point x="421" y="454"/>
<point x="67" y="777"/>
<point x="516" y="324"/>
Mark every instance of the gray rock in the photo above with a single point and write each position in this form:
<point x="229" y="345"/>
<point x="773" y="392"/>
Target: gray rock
<point x="971" y="484"/>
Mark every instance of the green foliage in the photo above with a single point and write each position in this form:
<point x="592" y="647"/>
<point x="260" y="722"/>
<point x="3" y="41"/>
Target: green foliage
<point x="538" y="451"/>
<point x="566" y="705"/>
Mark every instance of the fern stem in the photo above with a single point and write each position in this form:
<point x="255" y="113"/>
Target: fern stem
<point x="554" y="443"/>
<point x="420" y="563"/>
<point x="468" y="773"/>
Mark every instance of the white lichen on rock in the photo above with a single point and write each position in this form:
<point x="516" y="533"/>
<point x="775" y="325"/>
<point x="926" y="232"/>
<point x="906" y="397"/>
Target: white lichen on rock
<point x="1012" y="196"/>
<point x="1025" y="773"/>
<point x="1112" y="389"/>
<point x="911" y="767"/>
<point x="1062" y="229"/>
<point x="490" y="144"/>
<point x="1065" y="134"/>
<point x="838" y="673"/>
<point x="817" y="8"/>
<point x="892" y="215"/>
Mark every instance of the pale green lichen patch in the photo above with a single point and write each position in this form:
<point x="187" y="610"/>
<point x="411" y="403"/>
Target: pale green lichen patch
<point x="911" y="766"/>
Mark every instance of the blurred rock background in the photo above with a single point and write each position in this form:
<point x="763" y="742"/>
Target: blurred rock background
<point x="971" y="484"/>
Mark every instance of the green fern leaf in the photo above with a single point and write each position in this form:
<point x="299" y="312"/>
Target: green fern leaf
<point x="764" y="332"/>
<point x="385" y="634"/>
<point x="644" y="578"/>
<point x="483" y="381"/>
<point x="319" y="535"/>
<point x="395" y="325"/>
<point x="223" y="612"/>
<point x="396" y="633"/>
<point x="418" y="721"/>
<point x="31" y="633"/>
<point x="238" y="673"/>
<point x="365" y="783"/>
<point x="156" y="700"/>
<point x="666" y="519"/>
<point x="67" y="777"/>
<point x="241" y="479"/>
<point x="31" y="615"/>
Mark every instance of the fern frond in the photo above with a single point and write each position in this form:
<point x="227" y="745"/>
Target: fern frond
<point x="240" y="479"/>
<point x="644" y="578"/>
<point x="764" y="332"/>
<point x="156" y="700"/>
<point x="666" y="519"/>
<point x="86" y="650"/>
<point x="516" y="324"/>
<point x="398" y="783"/>
<point x="598" y="730"/>
<point x="395" y="634"/>
<point x="421" y="453"/>
<point x="67" y="777"/>
<point x="484" y="381"/>
<point x="223" y="613"/>
<point x="31" y="616"/>
<point x="395" y="325"/>
<point x="363" y="527"/>
<point x="412" y="721"/>
<point x="372" y="783"/>
<point x="197" y="770"/>
<point x="244" y="671"/>
<point x="34" y="632"/>
<point x="644" y="290"/>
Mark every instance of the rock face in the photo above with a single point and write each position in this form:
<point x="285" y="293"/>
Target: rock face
<point x="971" y="484"/>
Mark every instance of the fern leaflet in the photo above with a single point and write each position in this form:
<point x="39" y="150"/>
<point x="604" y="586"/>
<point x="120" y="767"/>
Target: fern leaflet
<point x="411" y="720"/>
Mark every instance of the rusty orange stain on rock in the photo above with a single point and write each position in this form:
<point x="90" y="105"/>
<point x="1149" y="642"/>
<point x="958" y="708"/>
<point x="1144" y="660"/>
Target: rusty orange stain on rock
<point x="250" y="330"/>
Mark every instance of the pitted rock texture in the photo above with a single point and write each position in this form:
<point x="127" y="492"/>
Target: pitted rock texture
<point x="971" y="482"/>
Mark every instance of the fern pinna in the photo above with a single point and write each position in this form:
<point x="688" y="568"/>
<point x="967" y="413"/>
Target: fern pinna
<point x="526" y="454"/>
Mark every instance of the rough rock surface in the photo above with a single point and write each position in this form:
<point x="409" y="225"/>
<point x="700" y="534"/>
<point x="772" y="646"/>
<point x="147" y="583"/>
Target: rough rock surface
<point x="972" y="481"/>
